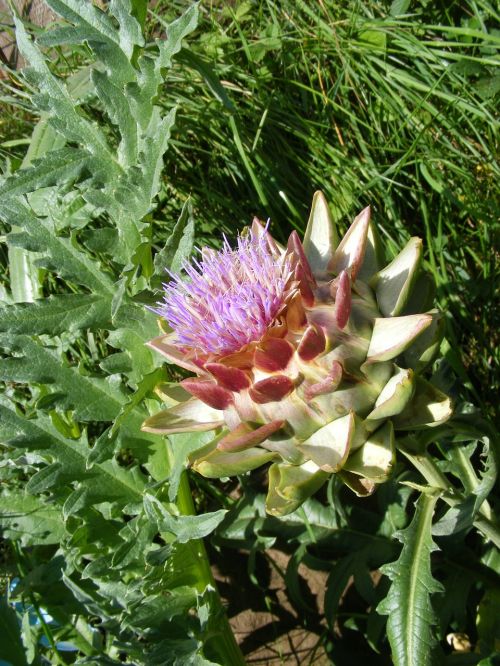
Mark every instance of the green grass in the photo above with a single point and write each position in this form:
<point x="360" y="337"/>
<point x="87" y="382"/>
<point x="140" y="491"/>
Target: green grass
<point x="278" y="99"/>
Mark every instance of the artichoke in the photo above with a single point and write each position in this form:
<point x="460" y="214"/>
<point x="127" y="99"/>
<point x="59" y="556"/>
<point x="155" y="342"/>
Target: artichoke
<point x="308" y="357"/>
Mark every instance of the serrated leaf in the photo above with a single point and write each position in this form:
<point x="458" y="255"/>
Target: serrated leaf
<point x="137" y="536"/>
<point x="120" y="362"/>
<point x="114" y="47"/>
<point x="185" y="528"/>
<point x="93" y="398"/>
<point x="130" y="339"/>
<point x="489" y="473"/>
<point x="182" y="445"/>
<point x="30" y="519"/>
<point x="179" y="245"/>
<point x="412" y="619"/>
<point x="145" y="385"/>
<point x="64" y="165"/>
<point x="458" y="519"/>
<point x="176" y="32"/>
<point x="59" y="253"/>
<point x="57" y="314"/>
<point x="136" y="190"/>
<point x="161" y="608"/>
<point x="55" y="99"/>
<point x="143" y="91"/>
<point x="24" y="275"/>
<point x="45" y="479"/>
<point x="77" y="500"/>
<point x="110" y="482"/>
<point x="100" y="240"/>
<point x="178" y="652"/>
<point x="103" y="449"/>
<point x="118" y="108"/>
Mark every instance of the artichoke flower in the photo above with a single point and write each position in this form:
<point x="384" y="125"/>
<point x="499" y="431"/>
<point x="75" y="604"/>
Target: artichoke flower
<point x="308" y="357"/>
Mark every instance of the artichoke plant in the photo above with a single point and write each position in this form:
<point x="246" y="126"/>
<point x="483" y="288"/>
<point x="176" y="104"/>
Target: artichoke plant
<point x="309" y="357"/>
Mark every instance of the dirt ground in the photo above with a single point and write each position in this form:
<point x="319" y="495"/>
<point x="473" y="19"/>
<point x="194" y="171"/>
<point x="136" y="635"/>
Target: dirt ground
<point x="266" y="625"/>
<point x="35" y="11"/>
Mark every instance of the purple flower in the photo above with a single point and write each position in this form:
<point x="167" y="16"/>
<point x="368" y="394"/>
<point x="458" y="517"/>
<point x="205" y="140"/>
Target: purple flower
<point x="300" y="357"/>
<point x="230" y="298"/>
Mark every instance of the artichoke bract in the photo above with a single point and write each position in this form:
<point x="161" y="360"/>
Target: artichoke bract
<point x="309" y="357"/>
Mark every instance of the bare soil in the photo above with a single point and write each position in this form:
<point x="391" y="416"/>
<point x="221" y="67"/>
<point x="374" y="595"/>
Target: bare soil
<point x="268" y="627"/>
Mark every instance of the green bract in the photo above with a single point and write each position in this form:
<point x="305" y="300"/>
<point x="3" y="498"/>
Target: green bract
<point x="337" y="373"/>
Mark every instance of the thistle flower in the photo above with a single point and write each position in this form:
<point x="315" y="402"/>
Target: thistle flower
<point x="308" y="357"/>
<point x="231" y="299"/>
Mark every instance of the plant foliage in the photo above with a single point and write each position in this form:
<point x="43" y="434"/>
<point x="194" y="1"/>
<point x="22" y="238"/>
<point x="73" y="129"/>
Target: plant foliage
<point x="80" y="472"/>
<point x="214" y="113"/>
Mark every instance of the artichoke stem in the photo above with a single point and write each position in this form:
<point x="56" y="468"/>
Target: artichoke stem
<point x="470" y="479"/>
<point x="435" y="478"/>
<point x="222" y="643"/>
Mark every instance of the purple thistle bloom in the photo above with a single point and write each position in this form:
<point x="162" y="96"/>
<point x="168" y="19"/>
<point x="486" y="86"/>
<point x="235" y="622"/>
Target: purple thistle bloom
<point x="231" y="297"/>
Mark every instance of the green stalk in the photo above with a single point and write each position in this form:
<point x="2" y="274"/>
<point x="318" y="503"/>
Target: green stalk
<point x="435" y="478"/>
<point x="222" y="642"/>
<point x="469" y="478"/>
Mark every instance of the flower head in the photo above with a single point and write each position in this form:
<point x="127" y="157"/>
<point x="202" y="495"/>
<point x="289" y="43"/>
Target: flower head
<point x="230" y="298"/>
<point x="308" y="357"/>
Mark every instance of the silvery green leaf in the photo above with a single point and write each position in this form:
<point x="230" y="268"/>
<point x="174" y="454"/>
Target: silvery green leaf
<point x="56" y="314"/>
<point x="179" y="245"/>
<point x="30" y="519"/>
<point x="185" y="528"/>
<point x="412" y="619"/>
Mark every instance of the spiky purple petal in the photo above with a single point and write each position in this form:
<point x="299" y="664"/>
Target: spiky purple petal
<point x="230" y="298"/>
